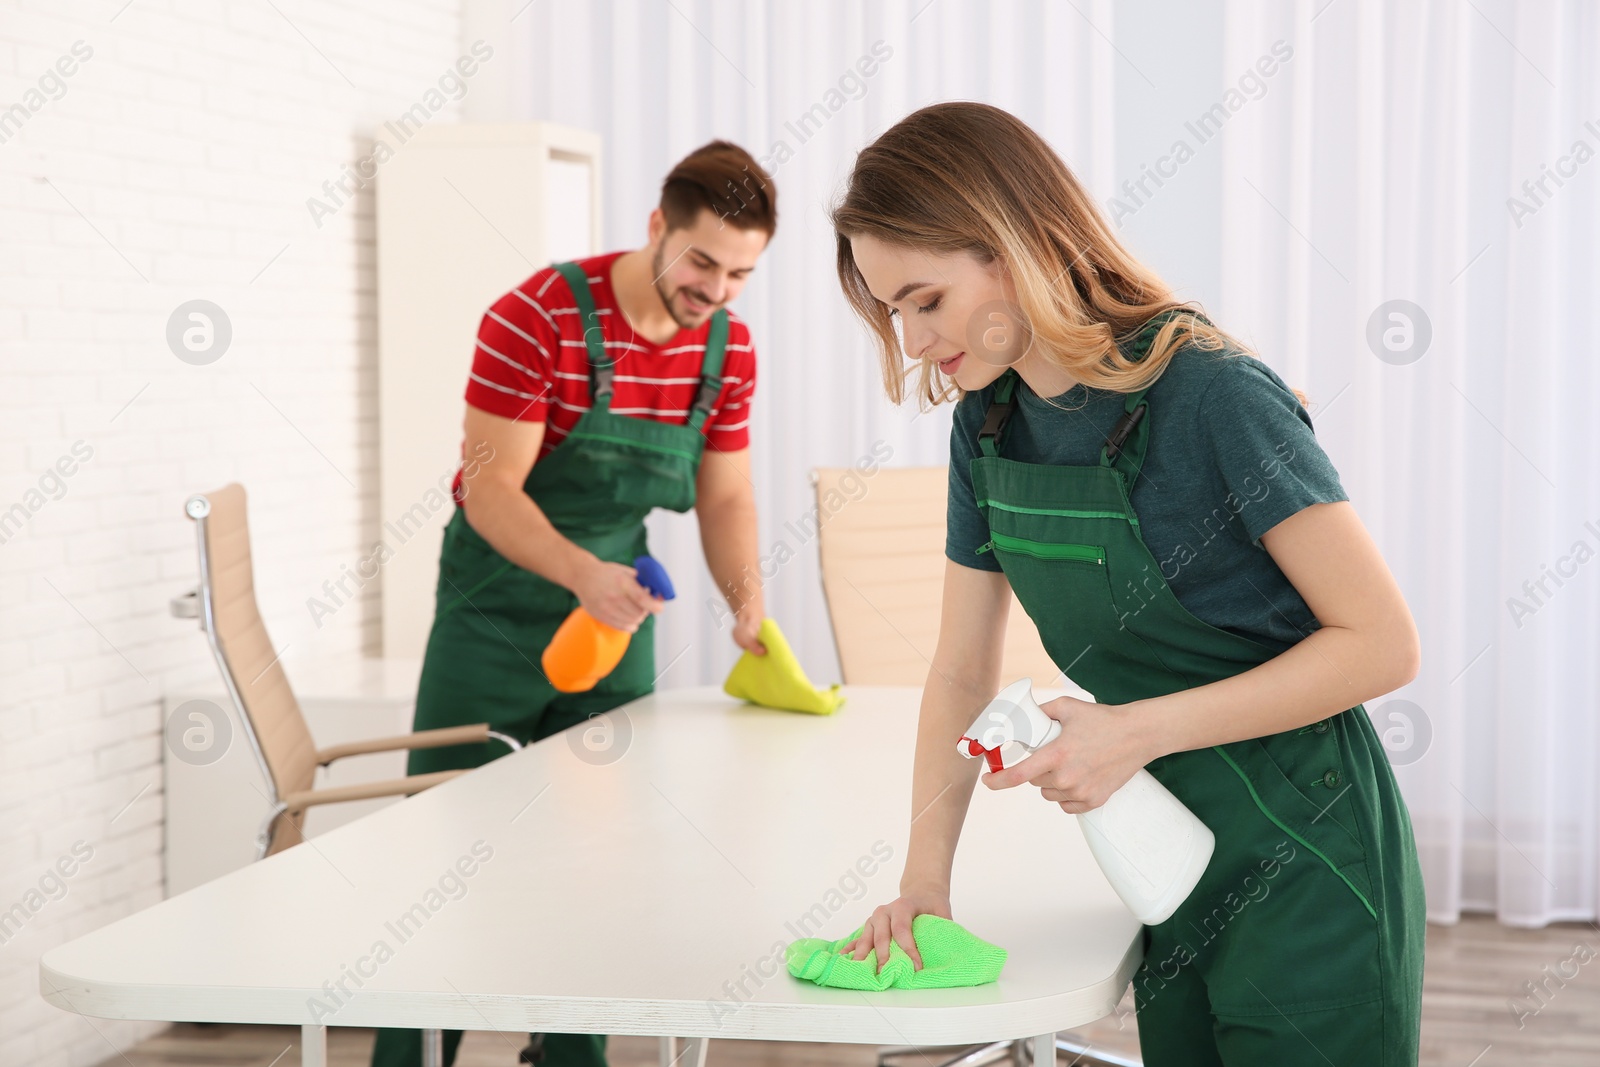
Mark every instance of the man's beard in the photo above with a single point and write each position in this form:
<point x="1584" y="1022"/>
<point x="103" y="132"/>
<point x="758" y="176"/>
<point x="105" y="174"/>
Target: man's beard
<point x="656" y="272"/>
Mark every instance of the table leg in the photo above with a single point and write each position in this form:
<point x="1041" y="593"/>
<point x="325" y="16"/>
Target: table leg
<point x="970" y="1056"/>
<point x="1085" y="1054"/>
<point x="433" y="1048"/>
<point x="1043" y="1050"/>
<point x="692" y="1054"/>
<point x="313" y="1046"/>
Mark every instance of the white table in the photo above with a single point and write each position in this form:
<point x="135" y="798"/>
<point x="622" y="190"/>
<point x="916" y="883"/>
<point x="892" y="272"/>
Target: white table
<point x="630" y="889"/>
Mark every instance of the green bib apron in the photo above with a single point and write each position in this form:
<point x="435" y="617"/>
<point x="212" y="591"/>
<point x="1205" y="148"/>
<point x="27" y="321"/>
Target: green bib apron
<point x="1307" y="926"/>
<point x="493" y="619"/>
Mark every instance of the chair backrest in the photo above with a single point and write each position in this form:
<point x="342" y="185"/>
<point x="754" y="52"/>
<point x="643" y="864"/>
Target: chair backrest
<point x="250" y="667"/>
<point x="881" y="541"/>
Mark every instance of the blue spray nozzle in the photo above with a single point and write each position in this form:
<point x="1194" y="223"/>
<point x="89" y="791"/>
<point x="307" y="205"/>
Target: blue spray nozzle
<point x="653" y="576"/>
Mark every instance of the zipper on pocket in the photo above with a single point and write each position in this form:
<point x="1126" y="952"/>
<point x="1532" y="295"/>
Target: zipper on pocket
<point x="1045" y="550"/>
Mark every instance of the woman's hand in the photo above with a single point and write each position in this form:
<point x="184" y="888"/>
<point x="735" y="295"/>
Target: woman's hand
<point x="894" y="920"/>
<point x="1098" y="750"/>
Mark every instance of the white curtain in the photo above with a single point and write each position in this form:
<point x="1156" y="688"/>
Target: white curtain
<point x="1443" y="153"/>
<point x="1376" y="164"/>
<point x="658" y="80"/>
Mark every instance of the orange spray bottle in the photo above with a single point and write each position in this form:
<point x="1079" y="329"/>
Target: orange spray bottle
<point x="584" y="649"/>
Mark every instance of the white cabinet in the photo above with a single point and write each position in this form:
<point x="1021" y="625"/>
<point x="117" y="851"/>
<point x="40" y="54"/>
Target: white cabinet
<point x="464" y="213"/>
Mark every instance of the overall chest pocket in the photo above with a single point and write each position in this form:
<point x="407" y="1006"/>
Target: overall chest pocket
<point x="1047" y="550"/>
<point x="1065" y="583"/>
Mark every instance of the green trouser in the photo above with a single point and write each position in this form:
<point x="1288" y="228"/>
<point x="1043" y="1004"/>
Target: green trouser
<point x="1303" y="941"/>
<point x="493" y="619"/>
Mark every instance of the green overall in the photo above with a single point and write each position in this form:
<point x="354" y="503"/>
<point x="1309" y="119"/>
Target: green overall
<point x="493" y="619"/>
<point x="1303" y="942"/>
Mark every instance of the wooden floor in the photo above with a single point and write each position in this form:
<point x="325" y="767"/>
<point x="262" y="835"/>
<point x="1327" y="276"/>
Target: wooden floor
<point x="1475" y="975"/>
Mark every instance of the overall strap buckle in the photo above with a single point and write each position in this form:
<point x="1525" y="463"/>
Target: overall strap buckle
<point x="998" y="414"/>
<point x="1128" y="438"/>
<point x="1134" y="407"/>
<point x="1124" y="426"/>
<point x="594" y="338"/>
<point x="711" y="369"/>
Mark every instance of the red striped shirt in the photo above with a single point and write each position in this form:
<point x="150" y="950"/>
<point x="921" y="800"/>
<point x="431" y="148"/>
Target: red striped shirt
<point x="531" y="364"/>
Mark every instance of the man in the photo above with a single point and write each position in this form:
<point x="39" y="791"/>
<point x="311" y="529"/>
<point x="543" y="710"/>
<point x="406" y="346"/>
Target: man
<point x="599" y="391"/>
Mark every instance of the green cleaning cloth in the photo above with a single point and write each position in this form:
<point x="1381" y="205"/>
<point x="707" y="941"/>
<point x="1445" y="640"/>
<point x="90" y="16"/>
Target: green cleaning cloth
<point x="776" y="680"/>
<point x="950" y="957"/>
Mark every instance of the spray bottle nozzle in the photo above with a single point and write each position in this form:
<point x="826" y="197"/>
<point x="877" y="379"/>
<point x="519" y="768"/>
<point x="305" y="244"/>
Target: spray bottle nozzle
<point x="1010" y="729"/>
<point x="653" y="576"/>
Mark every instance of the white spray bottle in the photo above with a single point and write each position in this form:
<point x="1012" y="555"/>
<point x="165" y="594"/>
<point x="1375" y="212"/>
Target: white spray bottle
<point x="1152" y="849"/>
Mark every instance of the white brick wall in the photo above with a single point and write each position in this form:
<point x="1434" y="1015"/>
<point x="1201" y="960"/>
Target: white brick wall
<point x="190" y="140"/>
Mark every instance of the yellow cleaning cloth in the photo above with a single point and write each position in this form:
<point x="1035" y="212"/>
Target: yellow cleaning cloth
<point x="776" y="680"/>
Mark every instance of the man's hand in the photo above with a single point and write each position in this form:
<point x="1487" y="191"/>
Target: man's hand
<point x="745" y="627"/>
<point x="612" y="594"/>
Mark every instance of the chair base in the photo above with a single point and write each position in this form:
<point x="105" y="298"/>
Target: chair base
<point x="1017" y="1053"/>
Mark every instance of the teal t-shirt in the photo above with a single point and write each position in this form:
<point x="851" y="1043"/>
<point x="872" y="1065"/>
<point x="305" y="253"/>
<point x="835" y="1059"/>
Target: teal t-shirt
<point x="1231" y="454"/>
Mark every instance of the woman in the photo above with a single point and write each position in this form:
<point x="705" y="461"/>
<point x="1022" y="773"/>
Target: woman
<point x="1156" y="497"/>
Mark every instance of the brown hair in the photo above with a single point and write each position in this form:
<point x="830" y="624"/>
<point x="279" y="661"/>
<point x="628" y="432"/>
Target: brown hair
<point x="969" y="177"/>
<point x="723" y="178"/>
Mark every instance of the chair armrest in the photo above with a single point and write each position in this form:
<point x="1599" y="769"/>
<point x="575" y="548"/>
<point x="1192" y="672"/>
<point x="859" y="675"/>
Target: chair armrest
<point x="186" y="605"/>
<point x="449" y="735"/>
<point x="416" y="783"/>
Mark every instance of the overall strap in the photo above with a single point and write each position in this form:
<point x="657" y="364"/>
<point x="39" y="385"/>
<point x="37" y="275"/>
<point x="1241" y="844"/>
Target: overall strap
<point x="1130" y="436"/>
<point x="1001" y="404"/>
<point x="594" y="339"/>
<point x="710" y="369"/>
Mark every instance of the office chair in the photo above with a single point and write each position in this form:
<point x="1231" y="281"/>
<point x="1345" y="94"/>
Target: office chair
<point x="259" y="688"/>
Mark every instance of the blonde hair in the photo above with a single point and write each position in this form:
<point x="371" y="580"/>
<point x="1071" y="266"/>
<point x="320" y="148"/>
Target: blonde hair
<point x="968" y="177"/>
